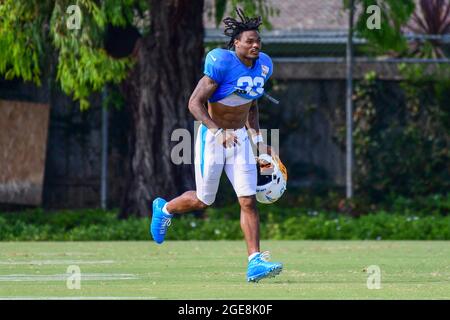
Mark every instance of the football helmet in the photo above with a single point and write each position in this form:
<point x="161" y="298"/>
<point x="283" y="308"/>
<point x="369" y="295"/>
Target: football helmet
<point x="272" y="178"/>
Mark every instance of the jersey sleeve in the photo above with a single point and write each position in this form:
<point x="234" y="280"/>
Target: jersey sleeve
<point x="214" y="66"/>
<point x="267" y="62"/>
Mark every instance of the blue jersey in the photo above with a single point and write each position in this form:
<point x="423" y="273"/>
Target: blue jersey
<point x="232" y="76"/>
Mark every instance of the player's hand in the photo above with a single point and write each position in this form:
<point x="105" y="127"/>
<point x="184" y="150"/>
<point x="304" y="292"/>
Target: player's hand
<point x="227" y="138"/>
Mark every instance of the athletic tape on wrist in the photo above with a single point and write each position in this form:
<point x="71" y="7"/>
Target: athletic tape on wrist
<point x="257" y="139"/>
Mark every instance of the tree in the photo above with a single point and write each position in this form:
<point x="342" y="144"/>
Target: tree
<point x="424" y="17"/>
<point x="157" y="78"/>
<point x="394" y="16"/>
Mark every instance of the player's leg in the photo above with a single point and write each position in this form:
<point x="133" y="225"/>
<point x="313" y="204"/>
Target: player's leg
<point x="208" y="168"/>
<point x="243" y="177"/>
<point x="244" y="183"/>
<point x="241" y="171"/>
<point x="187" y="202"/>
<point x="250" y="223"/>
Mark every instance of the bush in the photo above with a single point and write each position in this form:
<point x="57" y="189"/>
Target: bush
<point x="223" y="224"/>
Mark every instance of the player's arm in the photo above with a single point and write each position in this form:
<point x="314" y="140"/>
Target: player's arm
<point x="197" y="106"/>
<point x="199" y="99"/>
<point x="252" y="125"/>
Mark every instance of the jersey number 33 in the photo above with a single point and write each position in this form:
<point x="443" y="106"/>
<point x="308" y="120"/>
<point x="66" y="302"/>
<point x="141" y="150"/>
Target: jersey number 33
<point x="250" y="82"/>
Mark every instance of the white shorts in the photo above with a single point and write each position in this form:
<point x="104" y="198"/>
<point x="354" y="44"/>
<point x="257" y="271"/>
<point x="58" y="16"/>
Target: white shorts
<point x="211" y="158"/>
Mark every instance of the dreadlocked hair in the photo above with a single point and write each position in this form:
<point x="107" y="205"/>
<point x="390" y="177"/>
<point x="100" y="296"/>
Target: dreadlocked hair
<point x="234" y="28"/>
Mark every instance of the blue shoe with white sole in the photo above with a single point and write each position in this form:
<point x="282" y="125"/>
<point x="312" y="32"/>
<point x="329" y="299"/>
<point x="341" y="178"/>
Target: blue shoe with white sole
<point x="259" y="267"/>
<point x="160" y="221"/>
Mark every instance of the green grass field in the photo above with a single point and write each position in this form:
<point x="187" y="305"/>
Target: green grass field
<point x="216" y="270"/>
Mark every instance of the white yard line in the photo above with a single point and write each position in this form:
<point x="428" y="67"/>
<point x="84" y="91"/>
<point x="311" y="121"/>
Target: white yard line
<point x="55" y="262"/>
<point x="49" y="254"/>
<point x="64" y="277"/>
<point x="77" y="298"/>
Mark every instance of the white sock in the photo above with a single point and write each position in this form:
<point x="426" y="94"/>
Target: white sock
<point x="250" y="257"/>
<point x="164" y="209"/>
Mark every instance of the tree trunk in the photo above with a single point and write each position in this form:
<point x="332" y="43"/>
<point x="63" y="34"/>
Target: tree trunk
<point x="157" y="93"/>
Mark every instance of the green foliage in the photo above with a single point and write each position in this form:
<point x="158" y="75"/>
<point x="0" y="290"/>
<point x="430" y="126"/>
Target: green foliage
<point x="431" y="205"/>
<point x="401" y="137"/>
<point x="22" y="38"/>
<point x="31" y="30"/>
<point x="83" y="65"/>
<point x="394" y="15"/>
<point x="412" y="220"/>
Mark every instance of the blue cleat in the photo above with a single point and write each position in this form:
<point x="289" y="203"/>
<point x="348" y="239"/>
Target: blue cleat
<point x="259" y="268"/>
<point x="160" y="221"/>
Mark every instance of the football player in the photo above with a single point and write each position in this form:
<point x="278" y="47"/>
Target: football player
<point x="225" y="101"/>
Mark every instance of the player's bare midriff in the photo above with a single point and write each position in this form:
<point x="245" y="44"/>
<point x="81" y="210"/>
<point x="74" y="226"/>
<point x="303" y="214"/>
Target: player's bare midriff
<point x="227" y="117"/>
